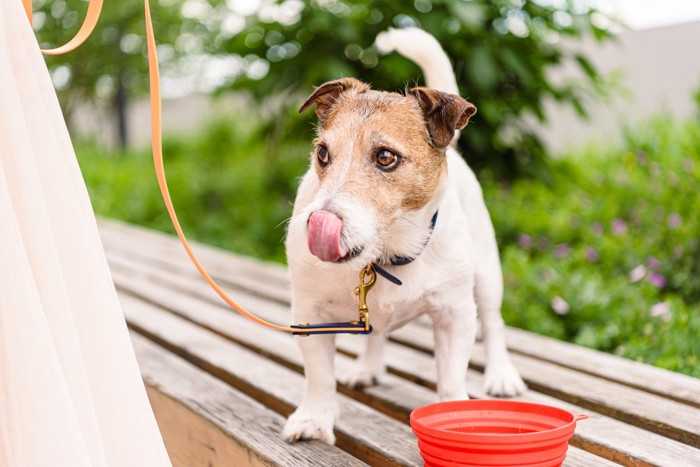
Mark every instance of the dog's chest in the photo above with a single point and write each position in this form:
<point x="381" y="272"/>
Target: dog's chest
<point x="390" y="307"/>
<point x="392" y="315"/>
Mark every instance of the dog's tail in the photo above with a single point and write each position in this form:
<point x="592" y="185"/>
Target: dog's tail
<point x="423" y="49"/>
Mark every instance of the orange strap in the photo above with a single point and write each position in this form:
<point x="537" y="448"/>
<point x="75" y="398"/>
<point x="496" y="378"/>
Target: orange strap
<point x="157" y="143"/>
<point x="89" y="23"/>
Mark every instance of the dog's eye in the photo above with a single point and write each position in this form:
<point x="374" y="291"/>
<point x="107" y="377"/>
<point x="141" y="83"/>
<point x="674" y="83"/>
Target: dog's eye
<point x="387" y="160"/>
<point x="322" y="154"/>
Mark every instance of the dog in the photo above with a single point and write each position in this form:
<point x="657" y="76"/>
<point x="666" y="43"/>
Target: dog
<point x="386" y="186"/>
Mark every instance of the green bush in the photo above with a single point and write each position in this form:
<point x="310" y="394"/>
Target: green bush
<point x="503" y="52"/>
<point x="229" y="188"/>
<point x="606" y="255"/>
<point x="110" y="67"/>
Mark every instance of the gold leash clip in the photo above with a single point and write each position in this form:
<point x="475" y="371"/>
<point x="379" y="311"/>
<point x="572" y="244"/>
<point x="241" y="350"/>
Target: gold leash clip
<point x="367" y="279"/>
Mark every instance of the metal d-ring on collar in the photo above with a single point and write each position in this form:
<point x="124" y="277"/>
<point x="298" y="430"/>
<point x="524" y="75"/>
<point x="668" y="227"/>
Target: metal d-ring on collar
<point x="368" y="277"/>
<point x="361" y="326"/>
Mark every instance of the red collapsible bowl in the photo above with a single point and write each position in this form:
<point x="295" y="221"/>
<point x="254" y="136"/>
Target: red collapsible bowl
<point x="493" y="433"/>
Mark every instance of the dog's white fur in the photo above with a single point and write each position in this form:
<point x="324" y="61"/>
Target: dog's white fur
<point x="449" y="280"/>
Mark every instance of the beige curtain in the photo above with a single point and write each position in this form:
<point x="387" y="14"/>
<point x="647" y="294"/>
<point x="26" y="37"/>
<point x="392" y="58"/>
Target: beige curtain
<point x="70" y="389"/>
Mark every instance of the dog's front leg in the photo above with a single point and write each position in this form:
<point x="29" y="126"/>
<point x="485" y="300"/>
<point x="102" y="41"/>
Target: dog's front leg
<point x="314" y="418"/>
<point x="455" y="331"/>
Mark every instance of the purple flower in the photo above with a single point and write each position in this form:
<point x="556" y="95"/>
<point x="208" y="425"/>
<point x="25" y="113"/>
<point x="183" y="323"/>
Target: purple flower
<point x="592" y="254"/>
<point x="638" y="273"/>
<point x="597" y="229"/>
<point x="524" y="241"/>
<point x="559" y="305"/>
<point x="653" y="263"/>
<point x="661" y="310"/>
<point x="657" y="280"/>
<point x="674" y="220"/>
<point x="562" y="250"/>
<point x="619" y="227"/>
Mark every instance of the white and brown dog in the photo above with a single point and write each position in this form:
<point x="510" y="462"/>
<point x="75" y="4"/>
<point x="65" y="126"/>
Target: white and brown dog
<point x="382" y="167"/>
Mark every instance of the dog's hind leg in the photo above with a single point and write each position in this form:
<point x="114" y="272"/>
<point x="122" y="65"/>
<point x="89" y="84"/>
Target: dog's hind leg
<point x="501" y="377"/>
<point x="368" y="368"/>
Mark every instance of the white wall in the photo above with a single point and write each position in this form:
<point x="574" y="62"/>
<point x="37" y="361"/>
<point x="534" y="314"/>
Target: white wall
<point x="661" y="73"/>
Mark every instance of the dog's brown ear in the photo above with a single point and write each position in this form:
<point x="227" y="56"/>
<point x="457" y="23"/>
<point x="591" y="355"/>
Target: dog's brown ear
<point x="444" y="113"/>
<point x="325" y="95"/>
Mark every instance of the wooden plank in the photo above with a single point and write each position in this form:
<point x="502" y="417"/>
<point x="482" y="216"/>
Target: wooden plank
<point x="679" y="387"/>
<point x="210" y="444"/>
<point x="364" y="433"/>
<point x="169" y="242"/>
<point x="205" y="422"/>
<point x="649" y="411"/>
<point x="600" y="434"/>
<point x="232" y="270"/>
<point x="396" y="397"/>
<point x="576" y="457"/>
<point x="255" y="276"/>
<point x="661" y="382"/>
<point x="659" y="415"/>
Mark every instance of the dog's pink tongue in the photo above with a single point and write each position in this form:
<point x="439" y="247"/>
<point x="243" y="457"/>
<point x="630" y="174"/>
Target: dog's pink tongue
<point x="324" y="236"/>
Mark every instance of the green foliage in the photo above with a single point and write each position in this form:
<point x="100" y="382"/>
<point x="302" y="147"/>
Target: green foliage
<point x="606" y="255"/>
<point x="229" y="188"/>
<point x="503" y="51"/>
<point x="115" y="53"/>
<point x="581" y="238"/>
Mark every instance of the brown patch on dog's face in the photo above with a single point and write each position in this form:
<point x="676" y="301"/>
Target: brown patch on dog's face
<point x="385" y="150"/>
<point x="352" y="140"/>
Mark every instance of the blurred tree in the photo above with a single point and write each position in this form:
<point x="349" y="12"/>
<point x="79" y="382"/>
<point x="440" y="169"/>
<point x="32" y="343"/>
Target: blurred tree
<point x="502" y="51"/>
<point x="111" y="66"/>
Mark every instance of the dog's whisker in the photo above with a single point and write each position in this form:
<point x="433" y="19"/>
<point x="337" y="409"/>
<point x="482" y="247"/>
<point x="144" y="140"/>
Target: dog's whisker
<point x="285" y="221"/>
<point x="409" y="221"/>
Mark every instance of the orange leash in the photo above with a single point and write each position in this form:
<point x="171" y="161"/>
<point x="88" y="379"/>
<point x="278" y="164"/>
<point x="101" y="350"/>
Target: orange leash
<point x="367" y="276"/>
<point x="91" y="17"/>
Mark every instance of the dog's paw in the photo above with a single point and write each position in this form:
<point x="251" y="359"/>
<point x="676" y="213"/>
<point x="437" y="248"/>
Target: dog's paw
<point x="503" y="381"/>
<point x="309" y="424"/>
<point x="359" y="376"/>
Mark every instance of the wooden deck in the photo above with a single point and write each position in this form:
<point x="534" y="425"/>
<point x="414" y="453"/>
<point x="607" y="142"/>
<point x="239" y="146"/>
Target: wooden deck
<point x="222" y="386"/>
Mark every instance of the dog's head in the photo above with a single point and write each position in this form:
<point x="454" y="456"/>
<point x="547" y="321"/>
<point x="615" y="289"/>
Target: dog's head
<point x="381" y="167"/>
